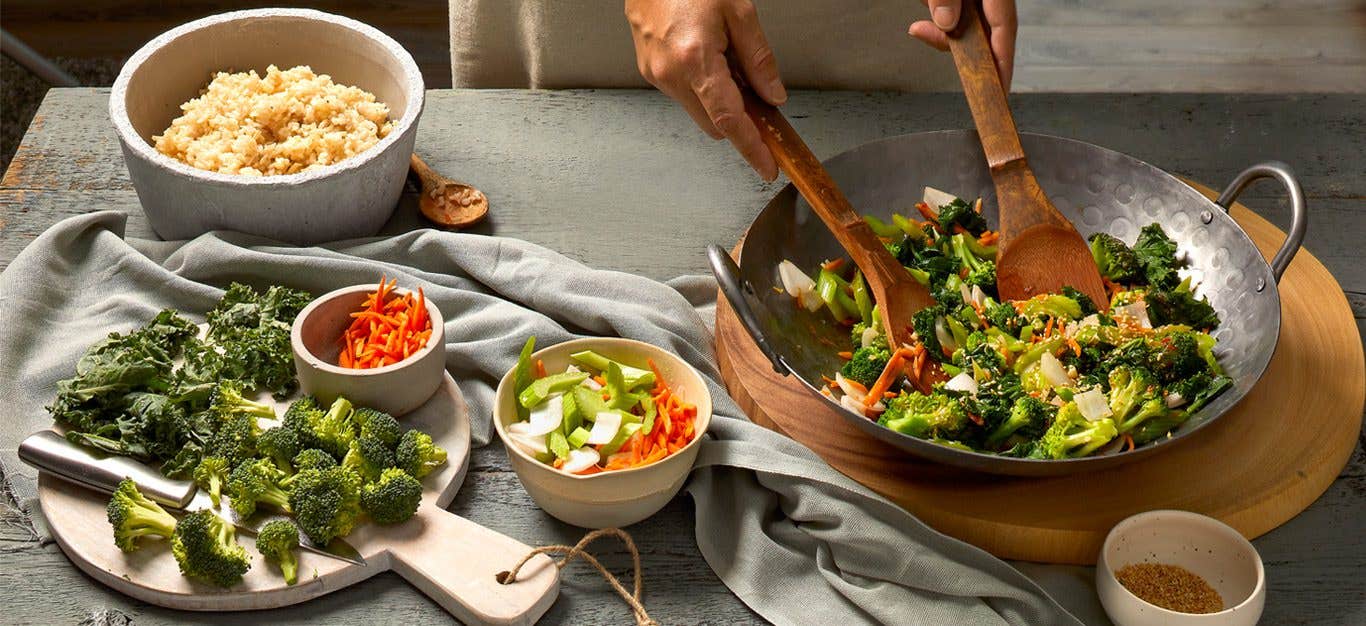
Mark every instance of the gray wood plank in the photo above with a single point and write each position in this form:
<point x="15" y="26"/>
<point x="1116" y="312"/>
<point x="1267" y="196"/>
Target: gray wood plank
<point x="634" y="159"/>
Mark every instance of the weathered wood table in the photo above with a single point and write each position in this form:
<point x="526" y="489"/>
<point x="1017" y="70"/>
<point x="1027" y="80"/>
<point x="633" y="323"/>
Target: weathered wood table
<point x="630" y="168"/>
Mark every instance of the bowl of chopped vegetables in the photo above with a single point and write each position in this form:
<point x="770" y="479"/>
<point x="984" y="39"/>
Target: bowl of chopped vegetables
<point x="1052" y="385"/>
<point x="381" y="346"/>
<point x="602" y="432"/>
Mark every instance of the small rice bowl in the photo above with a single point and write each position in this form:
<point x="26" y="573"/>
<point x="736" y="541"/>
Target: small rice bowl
<point x="286" y="122"/>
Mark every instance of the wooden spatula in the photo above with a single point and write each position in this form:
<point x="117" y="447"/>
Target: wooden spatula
<point x="898" y="295"/>
<point x="1040" y="251"/>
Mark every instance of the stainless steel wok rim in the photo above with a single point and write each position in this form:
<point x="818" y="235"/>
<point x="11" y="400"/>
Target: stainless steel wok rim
<point x="1269" y="274"/>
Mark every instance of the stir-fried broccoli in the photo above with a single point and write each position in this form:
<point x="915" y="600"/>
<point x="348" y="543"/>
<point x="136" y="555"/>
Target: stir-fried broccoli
<point x="1176" y="355"/>
<point x="935" y="415"/>
<point x="1115" y="260"/>
<point x="378" y="424"/>
<point x="257" y="482"/>
<point x="326" y="502"/>
<point x="960" y="213"/>
<point x="368" y="457"/>
<point x="418" y="455"/>
<point x="1150" y="408"/>
<point x="1028" y="417"/>
<point x="134" y="515"/>
<point x="924" y="322"/>
<point x="1194" y="392"/>
<point x="1072" y="435"/>
<point x="393" y="498"/>
<point x="277" y="541"/>
<point x="867" y="364"/>
<point x="1003" y="315"/>
<point x="206" y="548"/>
<point x="1129" y="388"/>
<point x="211" y="474"/>
<point x="281" y="445"/>
<point x="1158" y="426"/>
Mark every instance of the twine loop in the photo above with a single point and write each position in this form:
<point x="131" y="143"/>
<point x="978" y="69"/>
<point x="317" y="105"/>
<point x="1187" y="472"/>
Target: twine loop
<point x="578" y="551"/>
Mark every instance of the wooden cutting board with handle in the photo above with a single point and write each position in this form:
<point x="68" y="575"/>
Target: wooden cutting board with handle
<point x="451" y="559"/>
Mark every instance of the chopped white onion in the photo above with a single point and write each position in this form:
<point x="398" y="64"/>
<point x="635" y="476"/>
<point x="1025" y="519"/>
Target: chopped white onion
<point x="1093" y="404"/>
<point x="1054" y="371"/>
<point x="795" y="281"/>
<point x="941" y="332"/>
<point x="592" y="384"/>
<point x="605" y="428"/>
<point x="580" y="459"/>
<point x="850" y="391"/>
<point x="850" y="403"/>
<point x="963" y="382"/>
<point x="869" y="336"/>
<point x="979" y="297"/>
<point x="532" y="444"/>
<point x="965" y="292"/>
<point x="547" y="416"/>
<point x="936" y="198"/>
<point x="1174" y="400"/>
<point x="810" y="300"/>
<point x="1136" y="310"/>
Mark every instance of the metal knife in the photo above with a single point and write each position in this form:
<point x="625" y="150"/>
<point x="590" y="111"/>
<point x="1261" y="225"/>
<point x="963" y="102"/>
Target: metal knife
<point x="50" y="452"/>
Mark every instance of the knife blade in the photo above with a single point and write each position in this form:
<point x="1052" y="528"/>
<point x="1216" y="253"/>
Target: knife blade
<point x="48" y="451"/>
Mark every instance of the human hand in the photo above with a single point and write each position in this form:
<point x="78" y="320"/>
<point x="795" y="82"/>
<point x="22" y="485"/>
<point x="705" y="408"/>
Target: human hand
<point x="681" y="48"/>
<point x="999" y="16"/>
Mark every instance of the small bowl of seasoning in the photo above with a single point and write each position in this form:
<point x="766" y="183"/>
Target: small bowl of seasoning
<point x="1179" y="568"/>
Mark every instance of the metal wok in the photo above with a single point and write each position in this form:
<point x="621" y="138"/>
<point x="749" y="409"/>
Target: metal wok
<point x="1097" y="189"/>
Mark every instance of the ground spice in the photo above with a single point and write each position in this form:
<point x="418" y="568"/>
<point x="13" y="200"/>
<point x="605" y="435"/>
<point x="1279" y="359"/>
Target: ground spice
<point x="1171" y="587"/>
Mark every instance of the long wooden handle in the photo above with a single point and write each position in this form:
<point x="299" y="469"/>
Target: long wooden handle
<point x="456" y="563"/>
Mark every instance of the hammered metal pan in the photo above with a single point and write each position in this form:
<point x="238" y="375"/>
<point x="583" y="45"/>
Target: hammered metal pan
<point x="1097" y="189"/>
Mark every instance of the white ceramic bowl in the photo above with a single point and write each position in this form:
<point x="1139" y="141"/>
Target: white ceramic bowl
<point x="352" y="198"/>
<point x="619" y="497"/>
<point x="396" y="389"/>
<point x="1205" y="546"/>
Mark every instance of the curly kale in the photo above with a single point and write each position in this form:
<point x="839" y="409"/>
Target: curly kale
<point x="1157" y="252"/>
<point x="960" y="213"/>
<point x="253" y="330"/>
<point x="1180" y="306"/>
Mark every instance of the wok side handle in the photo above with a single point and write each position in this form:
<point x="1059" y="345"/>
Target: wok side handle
<point x="728" y="278"/>
<point x="1299" y="212"/>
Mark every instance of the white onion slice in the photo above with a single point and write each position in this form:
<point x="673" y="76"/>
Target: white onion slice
<point x="580" y="459"/>
<point x="810" y="300"/>
<point x="1136" y="310"/>
<point x="979" y="297"/>
<point x="1173" y="400"/>
<point x="936" y="198"/>
<point x="965" y="292"/>
<point x="532" y="444"/>
<point x="850" y="403"/>
<point x="605" y="428"/>
<point x="963" y="382"/>
<point x="941" y="332"/>
<point x="1093" y="404"/>
<point x="547" y="416"/>
<point x="1054" y="371"/>
<point x="850" y="391"/>
<point x="795" y="281"/>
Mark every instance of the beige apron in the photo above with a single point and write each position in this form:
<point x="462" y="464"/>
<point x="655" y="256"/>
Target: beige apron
<point x="559" y="44"/>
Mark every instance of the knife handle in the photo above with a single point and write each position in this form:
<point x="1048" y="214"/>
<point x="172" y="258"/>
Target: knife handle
<point x="50" y="452"/>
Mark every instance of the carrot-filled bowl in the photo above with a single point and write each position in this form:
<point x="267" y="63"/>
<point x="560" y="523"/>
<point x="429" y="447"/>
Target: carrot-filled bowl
<point x="602" y="431"/>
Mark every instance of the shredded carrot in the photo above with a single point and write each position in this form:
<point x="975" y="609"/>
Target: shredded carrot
<point x="1076" y="347"/>
<point x="540" y="369"/>
<point x="1048" y="328"/>
<point x="833" y="265"/>
<point x="1129" y="442"/>
<point x="846" y="355"/>
<point x="927" y="212"/>
<point x="884" y="380"/>
<point x="386" y="330"/>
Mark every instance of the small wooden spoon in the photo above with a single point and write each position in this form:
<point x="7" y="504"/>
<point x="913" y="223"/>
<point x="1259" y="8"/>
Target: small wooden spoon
<point x="448" y="202"/>
<point x="1040" y="251"/>
<point x="898" y="295"/>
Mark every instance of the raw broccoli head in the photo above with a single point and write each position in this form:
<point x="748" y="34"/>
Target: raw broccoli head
<point x="866" y="364"/>
<point x="134" y="515"/>
<point x="393" y="498"/>
<point x="1071" y="435"/>
<point x="257" y="482"/>
<point x="418" y="455"/>
<point x="235" y="439"/>
<point x="919" y="415"/>
<point x="336" y="428"/>
<point x="1115" y="260"/>
<point x="227" y="401"/>
<point x="961" y="213"/>
<point x="1129" y="388"/>
<point x="211" y="474"/>
<point x="281" y="445"/>
<point x="368" y="457"/>
<point x="326" y="502"/>
<point x="206" y="548"/>
<point x="1157" y="253"/>
<point x="379" y="425"/>
<point x="300" y="417"/>
<point x="314" y="458"/>
<point x="277" y="541"/>
<point x="1029" y="417"/>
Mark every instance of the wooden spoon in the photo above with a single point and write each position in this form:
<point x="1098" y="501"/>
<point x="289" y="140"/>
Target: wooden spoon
<point x="897" y="294"/>
<point x="448" y="202"/>
<point x="1040" y="251"/>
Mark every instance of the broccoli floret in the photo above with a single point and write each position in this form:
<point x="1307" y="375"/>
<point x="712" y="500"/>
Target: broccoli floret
<point x="1029" y="417"/>
<point x="961" y="213"/>
<point x="1158" y="426"/>
<point x="134" y="515"/>
<point x="235" y="439"/>
<point x="368" y="457"/>
<point x="856" y="335"/>
<point x="984" y="277"/>
<point x="206" y="547"/>
<point x="1176" y="355"/>
<point x="1002" y="315"/>
<point x="1052" y="304"/>
<point x="1194" y="392"/>
<point x="280" y="445"/>
<point x="277" y="541"/>
<point x="1150" y="408"/>
<point x="1115" y="260"/>
<point x="924" y="322"/>
<point x="227" y="401"/>
<point x="393" y="498"/>
<point x="257" y="482"/>
<point x="336" y="429"/>
<point x="1129" y="388"/>
<point x="301" y="417"/>
<point x="314" y="458"/>
<point x="380" y="425"/>
<point x="418" y="455"/>
<point x="326" y="502"/>
<point x="1181" y="306"/>
<point x="211" y="474"/>
<point x="919" y="415"/>
<point x="1071" y="435"/>
<point x="866" y="365"/>
<point x="1157" y="253"/>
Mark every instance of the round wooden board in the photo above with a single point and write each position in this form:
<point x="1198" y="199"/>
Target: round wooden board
<point x="1255" y="468"/>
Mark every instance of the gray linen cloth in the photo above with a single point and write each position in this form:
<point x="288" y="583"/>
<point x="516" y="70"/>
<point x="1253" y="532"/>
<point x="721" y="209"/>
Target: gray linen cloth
<point x="794" y="539"/>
